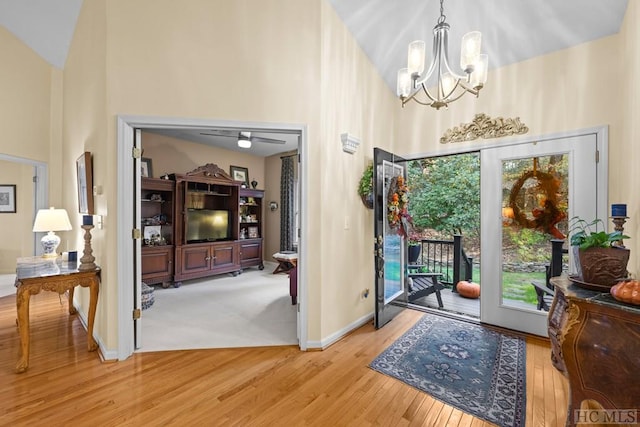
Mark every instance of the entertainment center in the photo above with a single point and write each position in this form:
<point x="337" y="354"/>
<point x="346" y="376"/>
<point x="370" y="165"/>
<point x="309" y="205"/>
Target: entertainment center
<point x="215" y="226"/>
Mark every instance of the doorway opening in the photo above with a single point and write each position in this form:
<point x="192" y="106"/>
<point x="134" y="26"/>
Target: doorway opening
<point x="207" y="271"/>
<point x="445" y="237"/>
<point x="529" y="190"/>
<point x="128" y="169"/>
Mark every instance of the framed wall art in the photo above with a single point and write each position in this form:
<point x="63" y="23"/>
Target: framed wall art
<point x="7" y="198"/>
<point x="145" y="167"/>
<point x="240" y="174"/>
<point x="84" y="169"/>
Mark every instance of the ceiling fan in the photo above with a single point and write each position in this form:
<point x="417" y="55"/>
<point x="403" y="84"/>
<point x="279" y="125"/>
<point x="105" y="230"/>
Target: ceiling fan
<point x="244" y="138"/>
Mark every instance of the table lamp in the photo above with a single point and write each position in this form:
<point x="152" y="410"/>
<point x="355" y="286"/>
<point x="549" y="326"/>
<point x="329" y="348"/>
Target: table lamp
<point x="51" y="220"/>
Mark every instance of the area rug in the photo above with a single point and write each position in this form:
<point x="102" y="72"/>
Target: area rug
<point x="475" y="369"/>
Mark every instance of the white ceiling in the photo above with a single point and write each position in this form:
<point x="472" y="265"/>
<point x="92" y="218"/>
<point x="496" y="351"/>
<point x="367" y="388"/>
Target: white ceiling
<point x="512" y="31"/>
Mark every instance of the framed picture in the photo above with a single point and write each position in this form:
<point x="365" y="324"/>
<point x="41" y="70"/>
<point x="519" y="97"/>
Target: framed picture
<point x="84" y="170"/>
<point x="240" y="174"/>
<point x="7" y="198"/>
<point x="253" y="232"/>
<point x="145" y="167"/>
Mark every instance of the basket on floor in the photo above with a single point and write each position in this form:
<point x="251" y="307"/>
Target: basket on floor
<point x="147" y="296"/>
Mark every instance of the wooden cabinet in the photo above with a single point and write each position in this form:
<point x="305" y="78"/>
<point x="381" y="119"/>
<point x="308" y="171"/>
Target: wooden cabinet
<point x="207" y="223"/>
<point x="206" y="259"/>
<point x="156" y="217"/>
<point x="157" y="264"/>
<point x="251" y="253"/>
<point x="594" y="343"/>
<point x="250" y="236"/>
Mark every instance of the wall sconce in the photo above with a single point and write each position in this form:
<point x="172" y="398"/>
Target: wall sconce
<point x="273" y="206"/>
<point x="349" y="143"/>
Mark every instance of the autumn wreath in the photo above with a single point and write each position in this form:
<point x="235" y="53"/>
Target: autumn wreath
<point x="547" y="215"/>
<point x="397" y="203"/>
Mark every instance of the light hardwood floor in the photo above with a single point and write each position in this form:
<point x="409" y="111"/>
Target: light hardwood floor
<point x="263" y="386"/>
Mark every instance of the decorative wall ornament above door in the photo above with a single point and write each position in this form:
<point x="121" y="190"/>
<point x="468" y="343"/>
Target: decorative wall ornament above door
<point x="483" y="126"/>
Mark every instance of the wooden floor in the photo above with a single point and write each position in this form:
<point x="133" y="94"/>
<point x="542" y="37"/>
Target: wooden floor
<point x="268" y="386"/>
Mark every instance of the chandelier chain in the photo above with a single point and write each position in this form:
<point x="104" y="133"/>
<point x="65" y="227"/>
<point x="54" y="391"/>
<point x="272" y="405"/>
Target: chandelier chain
<point x="442" y="18"/>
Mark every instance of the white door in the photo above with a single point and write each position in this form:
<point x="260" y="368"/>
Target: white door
<point x="533" y="186"/>
<point x="137" y="246"/>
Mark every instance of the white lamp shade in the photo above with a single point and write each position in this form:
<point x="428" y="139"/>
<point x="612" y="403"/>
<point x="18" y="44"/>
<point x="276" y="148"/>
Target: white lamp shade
<point x="51" y="220"/>
<point x="416" y="57"/>
<point x="404" y="82"/>
<point x="448" y="84"/>
<point x="479" y="75"/>
<point x="470" y="51"/>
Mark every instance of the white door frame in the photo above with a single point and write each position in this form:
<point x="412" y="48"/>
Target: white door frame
<point x="40" y="194"/>
<point x="602" y="168"/>
<point x="583" y="179"/>
<point x="125" y="221"/>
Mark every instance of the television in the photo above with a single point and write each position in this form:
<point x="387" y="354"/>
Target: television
<point x="207" y="225"/>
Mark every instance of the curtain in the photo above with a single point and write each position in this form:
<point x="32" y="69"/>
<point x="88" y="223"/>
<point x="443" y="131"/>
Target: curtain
<point x="287" y="204"/>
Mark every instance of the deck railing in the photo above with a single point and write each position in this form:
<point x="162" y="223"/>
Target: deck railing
<point x="448" y="258"/>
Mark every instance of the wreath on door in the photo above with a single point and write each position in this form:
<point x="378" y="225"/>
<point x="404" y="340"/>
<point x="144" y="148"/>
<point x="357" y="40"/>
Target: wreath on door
<point x="547" y="214"/>
<point x="398" y="215"/>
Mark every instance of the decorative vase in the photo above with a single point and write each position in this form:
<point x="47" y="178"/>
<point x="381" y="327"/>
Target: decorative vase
<point x="254" y="183"/>
<point x="602" y="266"/>
<point x="414" y="253"/>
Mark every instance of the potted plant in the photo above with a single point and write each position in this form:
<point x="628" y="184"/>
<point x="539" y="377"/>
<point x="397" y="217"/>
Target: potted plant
<point x="365" y="187"/>
<point x="599" y="256"/>
<point x="414" y="246"/>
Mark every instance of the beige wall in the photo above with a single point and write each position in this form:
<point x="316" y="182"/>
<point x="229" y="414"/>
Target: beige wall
<point x="29" y="106"/>
<point x="85" y="127"/>
<point x="356" y="100"/>
<point x="623" y="168"/>
<point x="25" y="105"/>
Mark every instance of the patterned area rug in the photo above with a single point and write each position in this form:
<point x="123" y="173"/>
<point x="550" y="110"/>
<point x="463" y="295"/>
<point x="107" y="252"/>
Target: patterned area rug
<point x="475" y="369"/>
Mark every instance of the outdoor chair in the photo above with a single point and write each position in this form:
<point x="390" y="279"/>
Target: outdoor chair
<point x="544" y="290"/>
<point x="423" y="284"/>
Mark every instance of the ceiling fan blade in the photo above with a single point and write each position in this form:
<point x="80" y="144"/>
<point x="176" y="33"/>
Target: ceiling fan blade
<point x="221" y="132"/>
<point x="267" y="140"/>
<point x="217" y="135"/>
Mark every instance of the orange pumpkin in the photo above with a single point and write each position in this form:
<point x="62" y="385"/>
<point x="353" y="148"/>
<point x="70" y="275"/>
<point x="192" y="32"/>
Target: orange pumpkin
<point x="468" y="289"/>
<point x="627" y="291"/>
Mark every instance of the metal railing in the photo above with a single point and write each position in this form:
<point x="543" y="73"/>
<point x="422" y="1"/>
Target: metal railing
<point x="448" y="258"/>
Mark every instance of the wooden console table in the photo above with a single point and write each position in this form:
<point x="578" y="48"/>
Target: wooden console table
<point x="35" y="274"/>
<point x="595" y="343"/>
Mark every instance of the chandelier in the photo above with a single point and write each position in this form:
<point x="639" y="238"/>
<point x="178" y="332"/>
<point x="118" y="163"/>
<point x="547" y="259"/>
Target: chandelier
<point x="450" y="86"/>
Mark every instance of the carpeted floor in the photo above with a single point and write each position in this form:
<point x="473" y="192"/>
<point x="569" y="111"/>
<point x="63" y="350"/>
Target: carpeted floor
<point x="252" y="309"/>
<point x="475" y="369"/>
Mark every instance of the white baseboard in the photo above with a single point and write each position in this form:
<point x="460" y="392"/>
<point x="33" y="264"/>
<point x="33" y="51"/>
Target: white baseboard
<point x="107" y="355"/>
<point x="331" y="339"/>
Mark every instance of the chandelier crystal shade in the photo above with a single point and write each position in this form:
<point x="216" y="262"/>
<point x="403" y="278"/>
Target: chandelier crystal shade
<point x="448" y="85"/>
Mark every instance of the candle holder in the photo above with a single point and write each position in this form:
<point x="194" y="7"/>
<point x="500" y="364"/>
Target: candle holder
<point x="618" y="222"/>
<point x="87" y="260"/>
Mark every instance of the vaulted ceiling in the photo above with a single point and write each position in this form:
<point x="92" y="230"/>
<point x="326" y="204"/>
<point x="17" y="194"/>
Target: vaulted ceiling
<point x="512" y="30"/>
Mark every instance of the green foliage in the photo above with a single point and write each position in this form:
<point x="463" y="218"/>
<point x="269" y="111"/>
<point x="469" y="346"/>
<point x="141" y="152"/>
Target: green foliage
<point x="365" y="186"/>
<point x="531" y="245"/>
<point x="586" y="235"/>
<point x="445" y="194"/>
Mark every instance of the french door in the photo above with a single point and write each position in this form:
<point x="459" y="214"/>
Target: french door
<point x="390" y="247"/>
<point x="537" y="186"/>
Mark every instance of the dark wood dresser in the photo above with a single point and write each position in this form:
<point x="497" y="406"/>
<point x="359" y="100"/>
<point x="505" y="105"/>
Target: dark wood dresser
<point x="595" y="343"/>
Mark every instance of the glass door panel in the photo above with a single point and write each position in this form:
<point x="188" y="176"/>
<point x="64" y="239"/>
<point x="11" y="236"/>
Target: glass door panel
<point x="535" y="206"/>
